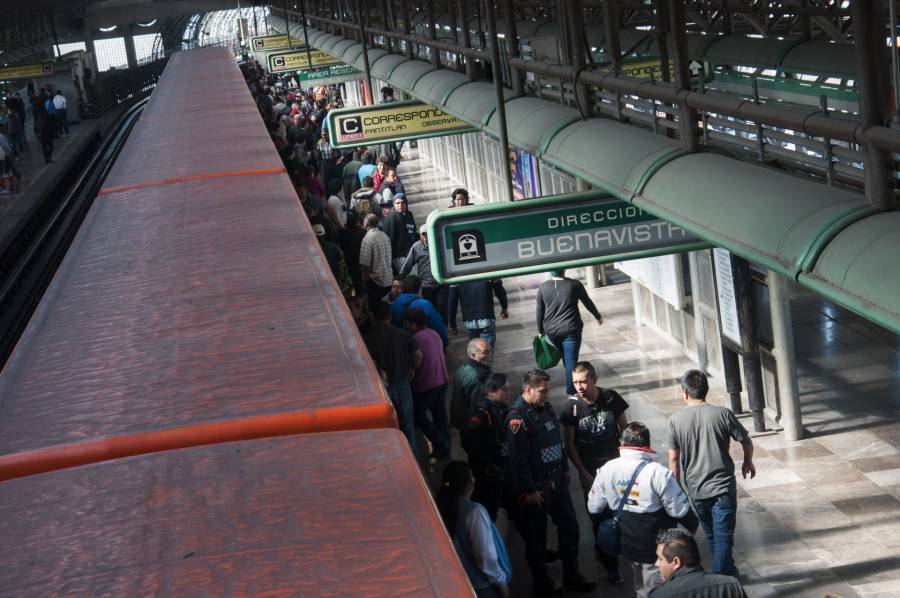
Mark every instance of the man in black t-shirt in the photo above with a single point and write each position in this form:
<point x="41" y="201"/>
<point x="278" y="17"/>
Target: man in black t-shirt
<point x="592" y="422"/>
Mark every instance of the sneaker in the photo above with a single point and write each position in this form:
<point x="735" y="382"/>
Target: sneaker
<point x="615" y="578"/>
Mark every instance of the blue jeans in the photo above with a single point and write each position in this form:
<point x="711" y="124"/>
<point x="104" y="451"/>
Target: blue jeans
<point x="569" y="345"/>
<point x="401" y="397"/>
<point x="717" y="517"/>
<point x="488" y="333"/>
<point x="436" y="429"/>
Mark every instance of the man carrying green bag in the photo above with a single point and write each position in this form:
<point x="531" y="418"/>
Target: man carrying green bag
<point x="546" y="355"/>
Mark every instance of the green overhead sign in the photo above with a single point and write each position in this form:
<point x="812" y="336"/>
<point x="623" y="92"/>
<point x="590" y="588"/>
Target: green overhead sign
<point x="563" y="231"/>
<point x="329" y="75"/>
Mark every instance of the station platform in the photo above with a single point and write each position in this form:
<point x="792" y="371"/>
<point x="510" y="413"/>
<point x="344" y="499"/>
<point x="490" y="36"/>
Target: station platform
<point x="823" y="514"/>
<point x="38" y="177"/>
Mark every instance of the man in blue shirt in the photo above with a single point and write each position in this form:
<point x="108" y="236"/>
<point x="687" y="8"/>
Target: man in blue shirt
<point x="410" y="297"/>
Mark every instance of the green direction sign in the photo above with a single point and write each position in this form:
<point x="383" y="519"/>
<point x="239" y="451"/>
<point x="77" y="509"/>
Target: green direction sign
<point x="330" y="75"/>
<point x="394" y="121"/>
<point x="563" y="231"/>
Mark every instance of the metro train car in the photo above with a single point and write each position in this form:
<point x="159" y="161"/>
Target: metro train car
<point x="191" y="409"/>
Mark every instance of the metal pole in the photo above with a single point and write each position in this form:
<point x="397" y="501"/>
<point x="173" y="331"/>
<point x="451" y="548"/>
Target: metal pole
<point x="516" y="76"/>
<point x="498" y="92"/>
<point x="895" y="72"/>
<point x="432" y="32"/>
<point x="661" y="22"/>
<point x="305" y="32"/>
<point x="732" y="369"/>
<point x="471" y="71"/>
<point x="743" y="286"/>
<point x="266" y="19"/>
<point x="287" y="23"/>
<point x="613" y="48"/>
<point x="404" y="13"/>
<point x="687" y="116"/>
<point x="871" y="67"/>
<point x="785" y="358"/>
<point x="365" y="44"/>
<point x="578" y="53"/>
<point x="255" y="25"/>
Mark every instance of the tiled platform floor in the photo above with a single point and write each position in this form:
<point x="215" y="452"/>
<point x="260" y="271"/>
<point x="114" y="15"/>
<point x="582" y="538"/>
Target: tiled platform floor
<point x="823" y="514"/>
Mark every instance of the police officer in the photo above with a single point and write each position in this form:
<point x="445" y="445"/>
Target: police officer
<point x="483" y="435"/>
<point x="540" y="477"/>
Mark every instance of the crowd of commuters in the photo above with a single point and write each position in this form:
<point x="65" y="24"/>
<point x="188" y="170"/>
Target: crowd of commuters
<point x="518" y="452"/>
<point x="49" y="114"/>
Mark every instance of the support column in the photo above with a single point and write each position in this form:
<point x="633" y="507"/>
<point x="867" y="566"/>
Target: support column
<point x="785" y="357"/>
<point x="471" y="70"/>
<point x="687" y="116"/>
<point x="516" y="77"/>
<point x="129" y="49"/>
<point x="432" y="32"/>
<point x="872" y="77"/>
<point x="369" y="93"/>
<point x="743" y="287"/>
<point x="498" y="93"/>
<point x="578" y="52"/>
<point x="404" y="13"/>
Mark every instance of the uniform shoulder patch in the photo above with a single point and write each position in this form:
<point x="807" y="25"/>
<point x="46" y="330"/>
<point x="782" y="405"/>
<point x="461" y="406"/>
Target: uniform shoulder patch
<point x="515" y="424"/>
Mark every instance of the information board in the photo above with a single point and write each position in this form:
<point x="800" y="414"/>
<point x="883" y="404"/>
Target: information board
<point x="729" y="310"/>
<point x="394" y="121"/>
<point x="285" y="62"/>
<point x="266" y="43"/>
<point x="26" y="71"/>
<point x="564" y="231"/>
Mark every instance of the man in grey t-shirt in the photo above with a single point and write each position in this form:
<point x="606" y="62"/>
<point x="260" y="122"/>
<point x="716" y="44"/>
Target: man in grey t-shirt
<point x="698" y="438"/>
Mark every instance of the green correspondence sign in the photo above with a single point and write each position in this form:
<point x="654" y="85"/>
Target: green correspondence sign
<point x="563" y="231"/>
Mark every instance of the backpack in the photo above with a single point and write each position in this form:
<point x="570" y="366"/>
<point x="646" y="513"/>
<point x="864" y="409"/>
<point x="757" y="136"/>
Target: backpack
<point x="365" y="205"/>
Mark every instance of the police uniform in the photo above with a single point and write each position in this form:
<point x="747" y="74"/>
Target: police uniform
<point x="484" y="439"/>
<point x="538" y="464"/>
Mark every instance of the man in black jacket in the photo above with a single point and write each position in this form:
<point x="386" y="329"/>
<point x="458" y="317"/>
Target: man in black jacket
<point x="678" y="560"/>
<point x="477" y="302"/>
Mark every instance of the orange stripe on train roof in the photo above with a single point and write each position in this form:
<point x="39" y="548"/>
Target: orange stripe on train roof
<point x="334" y="419"/>
<point x="187" y="179"/>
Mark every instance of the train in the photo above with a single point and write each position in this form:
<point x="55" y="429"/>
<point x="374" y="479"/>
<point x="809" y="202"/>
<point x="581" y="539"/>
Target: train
<point x="191" y="409"/>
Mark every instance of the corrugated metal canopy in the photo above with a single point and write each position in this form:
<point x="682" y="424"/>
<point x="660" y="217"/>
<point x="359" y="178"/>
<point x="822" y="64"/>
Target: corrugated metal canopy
<point x="858" y="269"/>
<point x="776" y="220"/>
<point x="384" y="66"/>
<point x="338" y="49"/>
<point x="434" y="87"/>
<point x="406" y="74"/>
<point x="327" y="42"/>
<point x="473" y="102"/>
<point x="609" y="155"/>
<point x="374" y="54"/>
<point x="530" y="121"/>
<point x="822" y="57"/>
<point x="349" y="55"/>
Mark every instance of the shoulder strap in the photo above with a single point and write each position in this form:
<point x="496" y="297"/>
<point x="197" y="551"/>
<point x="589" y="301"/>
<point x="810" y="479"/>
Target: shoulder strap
<point x="628" y="490"/>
